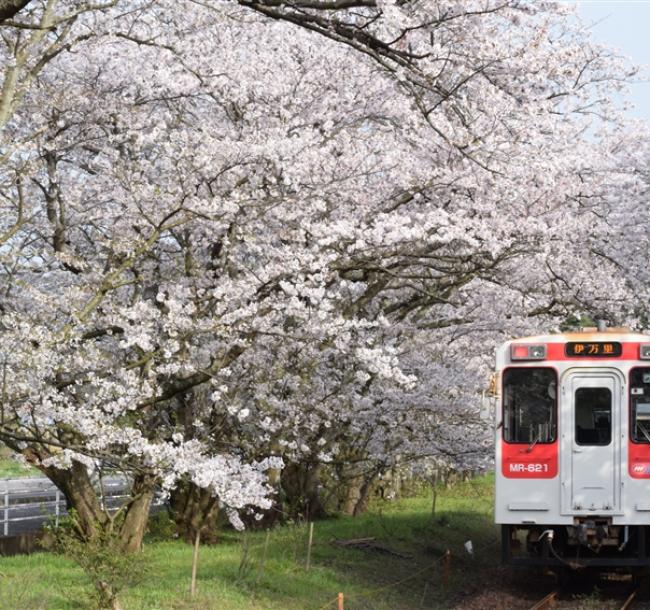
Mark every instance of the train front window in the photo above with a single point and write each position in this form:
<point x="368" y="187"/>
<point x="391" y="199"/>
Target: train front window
<point x="529" y="405"/>
<point x="640" y="405"/>
<point x="593" y="413"/>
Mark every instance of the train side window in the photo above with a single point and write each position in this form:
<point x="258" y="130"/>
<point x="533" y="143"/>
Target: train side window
<point x="529" y="405"/>
<point x="640" y="405"/>
<point x="593" y="415"/>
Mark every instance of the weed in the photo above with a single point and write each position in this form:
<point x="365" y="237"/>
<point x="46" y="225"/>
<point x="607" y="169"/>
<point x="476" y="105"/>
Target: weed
<point x="161" y="527"/>
<point x="18" y="592"/>
<point x="592" y="601"/>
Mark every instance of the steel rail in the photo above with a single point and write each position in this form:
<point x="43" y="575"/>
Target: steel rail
<point x="630" y="599"/>
<point x="546" y="602"/>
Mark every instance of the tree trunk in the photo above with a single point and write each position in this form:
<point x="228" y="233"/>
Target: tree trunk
<point x="81" y="496"/>
<point x="107" y="597"/>
<point x="195" y="510"/>
<point x="364" y="495"/>
<point x="353" y="487"/>
<point x="300" y="484"/>
<point x="134" y="526"/>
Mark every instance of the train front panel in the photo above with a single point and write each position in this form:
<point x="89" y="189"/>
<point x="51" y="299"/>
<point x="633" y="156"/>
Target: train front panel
<point x="573" y="448"/>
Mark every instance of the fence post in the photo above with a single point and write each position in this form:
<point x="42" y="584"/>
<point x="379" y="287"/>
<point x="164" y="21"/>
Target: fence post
<point x="309" y="544"/>
<point x="446" y="568"/>
<point x="6" y="512"/>
<point x="57" y="509"/>
<point x="260" y="570"/>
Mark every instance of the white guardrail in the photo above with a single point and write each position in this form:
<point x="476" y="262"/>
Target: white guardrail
<point x="26" y="504"/>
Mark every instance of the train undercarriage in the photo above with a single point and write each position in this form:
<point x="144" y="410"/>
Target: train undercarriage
<point x="589" y="542"/>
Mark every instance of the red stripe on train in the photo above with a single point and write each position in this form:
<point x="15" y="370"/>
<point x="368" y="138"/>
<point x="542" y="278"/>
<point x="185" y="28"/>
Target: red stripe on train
<point x="524" y="461"/>
<point x="556" y="351"/>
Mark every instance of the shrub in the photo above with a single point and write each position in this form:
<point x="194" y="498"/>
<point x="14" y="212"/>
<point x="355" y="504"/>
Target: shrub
<point x="103" y="560"/>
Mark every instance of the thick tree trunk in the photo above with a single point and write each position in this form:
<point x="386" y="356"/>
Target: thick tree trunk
<point x="134" y="526"/>
<point x="352" y="494"/>
<point x="80" y="496"/>
<point x="195" y="511"/>
<point x="355" y="485"/>
<point x="300" y="484"/>
<point x="91" y="518"/>
<point x="364" y="496"/>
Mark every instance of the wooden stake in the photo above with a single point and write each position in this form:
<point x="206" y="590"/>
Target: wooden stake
<point x="424" y="594"/>
<point x="446" y="568"/>
<point x="311" y="540"/>
<point x="195" y="562"/>
<point x="341" y="601"/>
<point x="260" y="571"/>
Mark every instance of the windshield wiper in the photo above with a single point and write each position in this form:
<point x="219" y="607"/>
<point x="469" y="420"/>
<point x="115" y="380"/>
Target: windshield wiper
<point x="532" y="445"/>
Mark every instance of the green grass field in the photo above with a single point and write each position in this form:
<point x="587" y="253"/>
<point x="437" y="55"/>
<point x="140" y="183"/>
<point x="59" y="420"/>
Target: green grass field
<point x="10" y="469"/>
<point x="404" y="571"/>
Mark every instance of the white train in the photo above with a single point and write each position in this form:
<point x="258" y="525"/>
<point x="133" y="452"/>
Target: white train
<point x="573" y="449"/>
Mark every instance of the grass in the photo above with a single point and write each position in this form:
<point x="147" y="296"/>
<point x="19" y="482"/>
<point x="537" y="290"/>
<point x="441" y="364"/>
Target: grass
<point x="11" y="469"/>
<point x="409" y="573"/>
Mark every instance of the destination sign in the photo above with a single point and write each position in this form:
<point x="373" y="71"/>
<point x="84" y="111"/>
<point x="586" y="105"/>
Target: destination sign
<point x="593" y="349"/>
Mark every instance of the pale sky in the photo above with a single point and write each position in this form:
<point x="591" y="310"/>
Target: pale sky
<point x="625" y="25"/>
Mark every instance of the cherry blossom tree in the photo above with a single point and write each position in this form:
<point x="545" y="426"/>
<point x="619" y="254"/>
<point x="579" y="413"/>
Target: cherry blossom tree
<point x="237" y="235"/>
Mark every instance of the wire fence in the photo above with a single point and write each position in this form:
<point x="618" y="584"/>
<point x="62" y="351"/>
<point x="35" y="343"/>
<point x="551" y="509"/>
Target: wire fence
<point x="339" y="598"/>
<point x="27" y="504"/>
<point x="444" y="561"/>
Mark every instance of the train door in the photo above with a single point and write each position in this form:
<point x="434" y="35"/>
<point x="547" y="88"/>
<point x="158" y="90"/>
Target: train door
<point x="591" y="400"/>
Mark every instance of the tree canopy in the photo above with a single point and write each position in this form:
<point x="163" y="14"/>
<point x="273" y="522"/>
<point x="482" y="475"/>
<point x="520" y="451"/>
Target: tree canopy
<point x="236" y="235"/>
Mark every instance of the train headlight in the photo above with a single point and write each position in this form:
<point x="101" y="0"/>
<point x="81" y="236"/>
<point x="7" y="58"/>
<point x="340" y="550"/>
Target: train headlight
<point x="644" y="351"/>
<point x="532" y="352"/>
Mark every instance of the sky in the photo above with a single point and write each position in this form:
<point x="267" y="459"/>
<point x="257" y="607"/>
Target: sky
<point x="625" y="25"/>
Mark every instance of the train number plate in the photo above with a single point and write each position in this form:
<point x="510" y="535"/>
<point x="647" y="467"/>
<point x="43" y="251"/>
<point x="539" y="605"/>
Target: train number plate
<point x="530" y="468"/>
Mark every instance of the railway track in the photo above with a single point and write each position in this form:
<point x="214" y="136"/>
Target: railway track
<point x="553" y="598"/>
<point x="630" y="599"/>
<point x="546" y="602"/>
